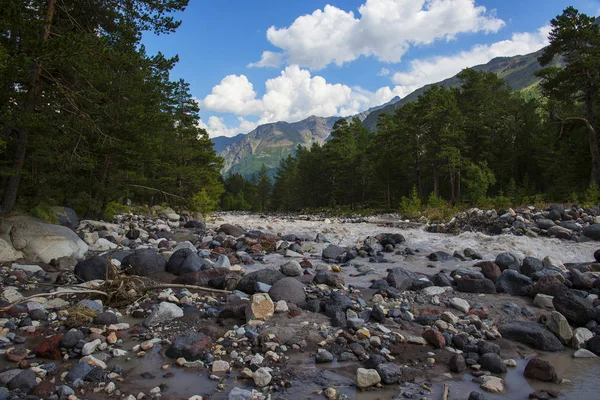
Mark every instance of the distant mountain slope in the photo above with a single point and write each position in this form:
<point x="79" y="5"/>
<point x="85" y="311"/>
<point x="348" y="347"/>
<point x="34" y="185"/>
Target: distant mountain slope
<point x="270" y="143"/>
<point x="221" y="142"/>
<point x="517" y="71"/>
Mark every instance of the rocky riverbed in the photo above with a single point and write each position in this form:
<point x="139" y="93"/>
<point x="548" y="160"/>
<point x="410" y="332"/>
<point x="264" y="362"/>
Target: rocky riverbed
<point x="294" y="307"/>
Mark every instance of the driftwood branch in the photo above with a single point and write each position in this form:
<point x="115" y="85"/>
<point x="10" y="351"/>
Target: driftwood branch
<point x="191" y="287"/>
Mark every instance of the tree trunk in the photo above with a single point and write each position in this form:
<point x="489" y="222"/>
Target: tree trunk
<point x="452" y="188"/>
<point x="594" y="151"/>
<point x="436" y="180"/>
<point x="11" y="184"/>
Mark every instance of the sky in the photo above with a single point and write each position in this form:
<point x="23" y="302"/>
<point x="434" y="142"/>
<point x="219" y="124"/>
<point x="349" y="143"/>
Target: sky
<point x="260" y="61"/>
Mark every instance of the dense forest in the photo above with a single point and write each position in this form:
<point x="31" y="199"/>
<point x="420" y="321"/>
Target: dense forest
<point x="479" y="144"/>
<point x="88" y="118"/>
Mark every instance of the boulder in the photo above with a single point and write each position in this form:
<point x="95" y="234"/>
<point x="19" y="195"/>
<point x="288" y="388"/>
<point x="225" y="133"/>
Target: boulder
<point x="261" y="307"/>
<point x="549" y="285"/>
<point x="532" y="334"/>
<point x="489" y="269"/>
<point x="291" y="268"/>
<point x="24" y="381"/>
<point x="367" y="377"/>
<point x="512" y="282"/>
<point x="190" y="345"/>
<point x="95" y="268"/>
<point x="333" y="253"/>
<point x="493" y="363"/>
<point x="580" y="337"/>
<point x="184" y="261"/>
<point x="40" y="241"/>
<point x="8" y="253"/>
<point x="329" y="278"/>
<point x="289" y="289"/>
<point x="593" y="345"/>
<point x="492" y="384"/>
<point x="577" y="310"/>
<point x="401" y="278"/>
<point x="592" y="231"/>
<point x="457" y="363"/>
<point x="544" y="223"/>
<point x="508" y="260"/>
<point x="195" y="224"/>
<point x="266" y="275"/>
<point x="435" y="338"/>
<point x="163" y="313"/>
<point x="467" y="285"/>
<point x="460" y="304"/>
<point x="531" y="265"/>
<point x="540" y="370"/>
<point x="261" y="377"/>
<point x="144" y="262"/>
<point x="559" y="325"/>
<point x="232" y="230"/>
<point x="390" y="373"/>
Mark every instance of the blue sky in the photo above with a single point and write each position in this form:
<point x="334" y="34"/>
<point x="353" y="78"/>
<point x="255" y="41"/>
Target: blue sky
<point x="338" y="57"/>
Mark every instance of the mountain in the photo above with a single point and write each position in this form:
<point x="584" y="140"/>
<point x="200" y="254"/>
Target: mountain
<point x="270" y="143"/>
<point x="221" y="142"/>
<point x="517" y="71"/>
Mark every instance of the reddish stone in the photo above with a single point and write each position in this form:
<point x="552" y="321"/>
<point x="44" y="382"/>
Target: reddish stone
<point x="16" y="355"/>
<point x="219" y="251"/>
<point x="435" y="338"/>
<point x="25" y="364"/>
<point x="305" y="263"/>
<point x="489" y="269"/>
<point x="481" y="312"/>
<point x="43" y="390"/>
<point x="95" y="336"/>
<point x="256" y="248"/>
<point x="49" y="348"/>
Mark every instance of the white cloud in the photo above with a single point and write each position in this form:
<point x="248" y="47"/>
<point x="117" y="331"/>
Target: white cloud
<point x="268" y="59"/>
<point x="292" y="96"/>
<point x="383" y="72"/>
<point x="234" y="94"/>
<point x="385" y="29"/>
<point x="422" y="72"/>
<point x="216" y="126"/>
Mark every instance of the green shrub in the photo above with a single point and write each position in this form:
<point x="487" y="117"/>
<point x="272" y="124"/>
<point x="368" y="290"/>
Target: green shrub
<point x="591" y="196"/>
<point x="501" y="201"/>
<point x="203" y="203"/>
<point x="113" y="209"/>
<point x="45" y="213"/>
<point x="434" y="201"/>
<point x="411" y="206"/>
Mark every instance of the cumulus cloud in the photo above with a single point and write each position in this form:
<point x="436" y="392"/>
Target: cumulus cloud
<point x="422" y="72"/>
<point x="216" y="126"/>
<point x="292" y="96"/>
<point x="384" y="29"/>
<point x="268" y="59"/>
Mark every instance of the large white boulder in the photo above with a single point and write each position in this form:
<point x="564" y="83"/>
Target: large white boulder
<point x="8" y="253"/>
<point x="40" y="241"/>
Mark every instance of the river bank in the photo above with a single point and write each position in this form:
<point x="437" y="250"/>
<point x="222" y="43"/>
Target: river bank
<point x="303" y="307"/>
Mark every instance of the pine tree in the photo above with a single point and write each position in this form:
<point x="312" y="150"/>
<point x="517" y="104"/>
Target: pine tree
<point x="576" y="38"/>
